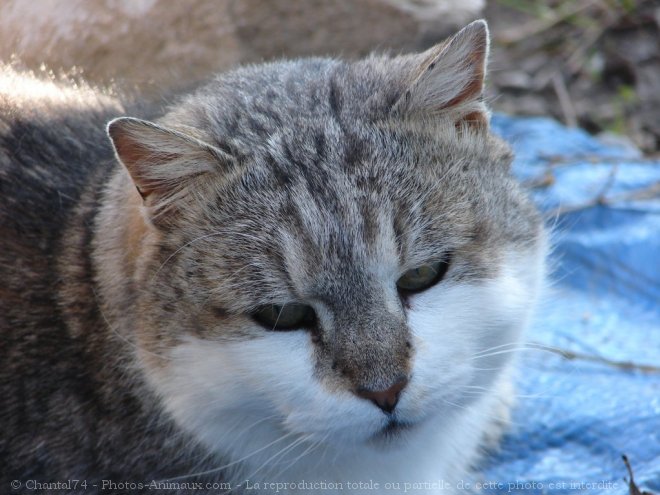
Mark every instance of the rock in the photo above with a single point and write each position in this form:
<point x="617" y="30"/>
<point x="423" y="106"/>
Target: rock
<point x="162" y="45"/>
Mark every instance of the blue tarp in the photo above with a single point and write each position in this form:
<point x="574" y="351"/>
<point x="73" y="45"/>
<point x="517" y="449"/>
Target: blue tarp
<point x="575" y="418"/>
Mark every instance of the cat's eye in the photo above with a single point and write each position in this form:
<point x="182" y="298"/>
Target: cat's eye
<point x="422" y="277"/>
<point x="290" y="316"/>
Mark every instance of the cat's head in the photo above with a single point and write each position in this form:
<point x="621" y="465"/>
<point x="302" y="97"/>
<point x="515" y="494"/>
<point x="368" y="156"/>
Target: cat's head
<point x="332" y="248"/>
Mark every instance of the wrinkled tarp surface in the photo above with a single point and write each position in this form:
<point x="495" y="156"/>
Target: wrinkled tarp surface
<point x="575" y="418"/>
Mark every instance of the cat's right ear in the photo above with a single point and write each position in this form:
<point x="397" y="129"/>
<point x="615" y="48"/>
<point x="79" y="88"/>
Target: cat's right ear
<point x="448" y="79"/>
<point x="163" y="163"/>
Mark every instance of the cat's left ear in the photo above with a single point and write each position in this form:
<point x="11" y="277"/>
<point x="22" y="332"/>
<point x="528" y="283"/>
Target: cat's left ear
<point x="449" y="79"/>
<point x="166" y="165"/>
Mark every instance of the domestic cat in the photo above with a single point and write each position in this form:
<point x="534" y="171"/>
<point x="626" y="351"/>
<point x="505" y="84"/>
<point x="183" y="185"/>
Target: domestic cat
<point x="307" y="272"/>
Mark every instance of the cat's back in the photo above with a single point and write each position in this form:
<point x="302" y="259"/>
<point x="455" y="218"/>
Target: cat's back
<point x="51" y="140"/>
<point x="52" y="148"/>
<point x="54" y="162"/>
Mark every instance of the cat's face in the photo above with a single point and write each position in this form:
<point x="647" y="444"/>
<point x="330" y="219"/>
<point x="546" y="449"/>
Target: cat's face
<point x="339" y="247"/>
<point x="341" y="278"/>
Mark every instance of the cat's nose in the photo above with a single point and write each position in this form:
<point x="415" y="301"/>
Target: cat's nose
<point x="385" y="399"/>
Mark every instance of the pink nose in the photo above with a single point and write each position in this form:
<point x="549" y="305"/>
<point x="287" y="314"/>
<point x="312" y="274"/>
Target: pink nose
<point x="384" y="399"/>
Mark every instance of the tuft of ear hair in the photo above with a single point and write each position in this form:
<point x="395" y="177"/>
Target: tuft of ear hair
<point x="449" y="79"/>
<point x="163" y="163"/>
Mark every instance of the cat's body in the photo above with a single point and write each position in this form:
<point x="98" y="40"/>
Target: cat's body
<point x="132" y="349"/>
<point x="67" y="393"/>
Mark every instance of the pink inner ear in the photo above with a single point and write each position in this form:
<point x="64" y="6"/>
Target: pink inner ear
<point x="451" y="75"/>
<point x="130" y="153"/>
<point x="474" y="86"/>
<point x="137" y="157"/>
<point x="129" y="150"/>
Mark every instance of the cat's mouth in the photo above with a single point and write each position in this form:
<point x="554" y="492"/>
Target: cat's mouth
<point x="392" y="431"/>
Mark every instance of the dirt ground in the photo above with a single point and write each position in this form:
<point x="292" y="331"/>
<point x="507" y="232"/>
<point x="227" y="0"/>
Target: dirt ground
<point x="589" y="63"/>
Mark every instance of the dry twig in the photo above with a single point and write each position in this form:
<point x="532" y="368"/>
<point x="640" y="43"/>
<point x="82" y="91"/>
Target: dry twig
<point x="545" y="180"/>
<point x="537" y="26"/>
<point x="632" y="486"/>
<point x="623" y="365"/>
<point x="567" y="107"/>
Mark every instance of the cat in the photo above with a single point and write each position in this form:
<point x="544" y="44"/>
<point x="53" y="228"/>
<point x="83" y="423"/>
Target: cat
<point x="305" y="274"/>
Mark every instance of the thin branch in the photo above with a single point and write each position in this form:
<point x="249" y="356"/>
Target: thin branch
<point x="558" y="160"/>
<point x="599" y="200"/>
<point x="567" y="107"/>
<point x="633" y="489"/>
<point x="623" y="365"/>
<point x="545" y="180"/>
<point x="575" y="61"/>
<point x="536" y="26"/>
<point x="650" y="192"/>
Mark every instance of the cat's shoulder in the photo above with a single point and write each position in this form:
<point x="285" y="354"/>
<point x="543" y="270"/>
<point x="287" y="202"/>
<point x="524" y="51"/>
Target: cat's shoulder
<point x="51" y="124"/>
<point x="52" y="145"/>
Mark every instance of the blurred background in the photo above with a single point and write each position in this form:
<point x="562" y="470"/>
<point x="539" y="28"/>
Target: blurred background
<point x="589" y="63"/>
<point x="593" y="64"/>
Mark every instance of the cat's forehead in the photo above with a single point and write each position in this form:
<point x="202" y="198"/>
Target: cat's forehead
<point x="327" y="178"/>
<point x="254" y="102"/>
<point x="330" y="182"/>
<point x="352" y="206"/>
<point x="319" y="118"/>
<point x="335" y="183"/>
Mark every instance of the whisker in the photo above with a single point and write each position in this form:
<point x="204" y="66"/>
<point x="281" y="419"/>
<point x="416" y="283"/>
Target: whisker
<point x="497" y="353"/>
<point x="476" y="387"/>
<point x="280" y="457"/>
<point x="474" y="393"/>
<point x="502" y="346"/>
<point x="247" y="429"/>
<point x="116" y="332"/>
<point x="206" y="236"/>
<point x="490" y="416"/>
<point x="313" y="446"/>
<point x="225" y="466"/>
<point x="179" y="250"/>
<point x="280" y="453"/>
<point x="326" y="447"/>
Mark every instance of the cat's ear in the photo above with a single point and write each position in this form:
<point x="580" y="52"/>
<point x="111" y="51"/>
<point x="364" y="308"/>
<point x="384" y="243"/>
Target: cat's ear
<point x="449" y="78"/>
<point x="163" y="162"/>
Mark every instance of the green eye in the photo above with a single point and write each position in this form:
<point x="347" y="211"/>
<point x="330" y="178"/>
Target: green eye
<point x="285" y="317"/>
<point x="423" y="277"/>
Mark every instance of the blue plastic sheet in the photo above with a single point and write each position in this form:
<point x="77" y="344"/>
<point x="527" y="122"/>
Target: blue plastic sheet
<point x="575" y="418"/>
